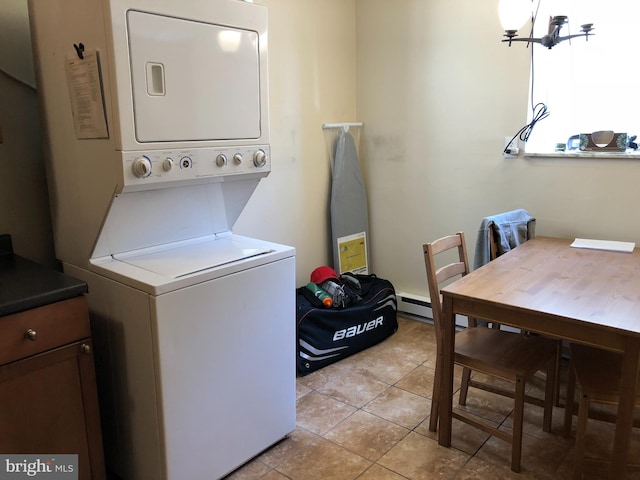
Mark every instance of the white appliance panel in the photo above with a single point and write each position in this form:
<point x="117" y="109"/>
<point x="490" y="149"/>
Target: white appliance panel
<point x="193" y="81"/>
<point x="193" y="257"/>
<point x="126" y="371"/>
<point x="158" y="282"/>
<point x="227" y="365"/>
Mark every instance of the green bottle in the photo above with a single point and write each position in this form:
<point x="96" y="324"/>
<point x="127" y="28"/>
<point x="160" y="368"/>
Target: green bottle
<point x="320" y="294"/>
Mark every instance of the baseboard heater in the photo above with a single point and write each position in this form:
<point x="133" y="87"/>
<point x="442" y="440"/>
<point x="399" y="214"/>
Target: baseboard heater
<point x="419" y="306"/>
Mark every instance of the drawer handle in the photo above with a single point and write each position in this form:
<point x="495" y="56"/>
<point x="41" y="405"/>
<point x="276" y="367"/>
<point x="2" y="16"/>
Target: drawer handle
<point x="85" y="348"/>
<point x="31" y="334"/>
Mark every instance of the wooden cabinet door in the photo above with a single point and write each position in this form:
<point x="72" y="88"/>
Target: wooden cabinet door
<point x="49" y="405"/>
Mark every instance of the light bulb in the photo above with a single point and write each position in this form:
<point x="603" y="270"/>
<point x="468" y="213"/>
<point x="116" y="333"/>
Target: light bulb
<point x="514" y="13"/>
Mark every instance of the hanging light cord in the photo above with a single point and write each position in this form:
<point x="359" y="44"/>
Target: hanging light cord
<point x="539" y="111"/>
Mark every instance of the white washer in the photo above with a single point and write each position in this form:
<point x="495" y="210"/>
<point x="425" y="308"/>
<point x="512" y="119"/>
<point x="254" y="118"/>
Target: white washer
<point x="156" y="114"/>
<point x="201" y="373"/>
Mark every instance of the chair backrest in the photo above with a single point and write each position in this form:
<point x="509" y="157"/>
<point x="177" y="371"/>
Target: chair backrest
<point x="438" y="275"/>
<point x="500" y="233"/>
<point x="494" y="237"/>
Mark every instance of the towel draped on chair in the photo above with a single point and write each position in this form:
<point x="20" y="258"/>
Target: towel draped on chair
<point x="510" y="229"/>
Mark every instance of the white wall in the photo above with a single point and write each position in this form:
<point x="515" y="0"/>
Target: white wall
<point x="438" y="93"/>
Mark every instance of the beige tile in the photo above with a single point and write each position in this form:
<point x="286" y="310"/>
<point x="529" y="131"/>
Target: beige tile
<point x="476" y="469"/>
<point x="318" y="378"/>
<point x="415" y="348"/>
<point x="326" y="461"/>
<point x="250" y="471"/>
<point x="376" y="472"/>
<point x="419" y="458"/>
<point x="319" y="413"/>
<point x="418" y="381"/>
<point x="365" y="406"/>
<point x="385" y="365"/>
<point x="301" y="390"/>
<point x="464" y="437"/>
<point x="481" y="403"/>
<point x="532" y="421"/>
<point x="400" y="407"/>
<point x="353" y="388"/>
<point x="297" y="441"/>
<point x="274" y="475"/>
<point x="367" y="435"/>
<point x="540" y="457"/>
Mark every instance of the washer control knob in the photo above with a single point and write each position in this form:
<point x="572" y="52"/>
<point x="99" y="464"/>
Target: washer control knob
<point x="237" y="158"/>
<point x="186" y="162"/>
<point x="167" y="165"/>
<point x="221" y="160"/>
<point x="141" y="167"/>
<point x="260" y="158"/>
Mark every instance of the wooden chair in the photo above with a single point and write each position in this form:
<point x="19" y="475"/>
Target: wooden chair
<point x="598" y="374"/>
<point x="506" y="355"/>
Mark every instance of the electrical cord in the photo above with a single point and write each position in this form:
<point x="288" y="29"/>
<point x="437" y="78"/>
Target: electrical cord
<point x="540" y="112"/>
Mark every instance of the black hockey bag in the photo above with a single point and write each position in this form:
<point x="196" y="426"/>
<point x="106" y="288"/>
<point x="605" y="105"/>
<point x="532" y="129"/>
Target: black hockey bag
<point x="326" y="335"/>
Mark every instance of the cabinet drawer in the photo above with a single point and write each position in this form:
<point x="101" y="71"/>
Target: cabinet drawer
<point x="40" y="329"/>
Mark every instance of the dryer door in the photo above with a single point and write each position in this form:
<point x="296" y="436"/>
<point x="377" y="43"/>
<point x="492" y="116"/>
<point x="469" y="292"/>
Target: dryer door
<point x="193" y="80"/>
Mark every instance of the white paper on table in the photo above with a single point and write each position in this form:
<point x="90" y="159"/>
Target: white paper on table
<point x="612" y="245"/>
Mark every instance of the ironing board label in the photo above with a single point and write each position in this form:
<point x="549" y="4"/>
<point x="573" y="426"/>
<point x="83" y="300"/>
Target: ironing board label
<point x="352" y="254"/>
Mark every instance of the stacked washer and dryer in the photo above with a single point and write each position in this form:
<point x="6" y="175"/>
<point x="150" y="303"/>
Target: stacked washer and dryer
<point x="157" y="134"/>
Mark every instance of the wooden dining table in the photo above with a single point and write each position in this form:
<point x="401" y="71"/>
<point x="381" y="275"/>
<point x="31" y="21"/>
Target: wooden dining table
<point x="548" y="287"/>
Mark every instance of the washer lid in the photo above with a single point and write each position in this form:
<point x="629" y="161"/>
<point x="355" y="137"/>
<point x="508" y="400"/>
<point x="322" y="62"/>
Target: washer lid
<point x="186" y="258"/>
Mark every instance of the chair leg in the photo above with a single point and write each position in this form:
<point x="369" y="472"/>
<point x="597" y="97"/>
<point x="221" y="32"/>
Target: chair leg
<point x="518" y="415"/>
<point x="549" y="394"/>
<point x="435" y="396"/>
<point x="568" y="408"/>
<point x="558" y="364"/>
<point x="583" y="418"/>
<point x="464" y="387"/>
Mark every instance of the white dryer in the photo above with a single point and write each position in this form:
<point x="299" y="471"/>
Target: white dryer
<point x="156" y="115"/>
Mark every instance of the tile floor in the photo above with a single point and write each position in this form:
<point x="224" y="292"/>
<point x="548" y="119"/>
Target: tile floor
<point x="366" y="418"/>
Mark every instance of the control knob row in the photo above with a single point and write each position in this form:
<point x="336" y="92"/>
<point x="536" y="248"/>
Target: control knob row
<point x="259" y="159"/>
<point x="141" y="166"/>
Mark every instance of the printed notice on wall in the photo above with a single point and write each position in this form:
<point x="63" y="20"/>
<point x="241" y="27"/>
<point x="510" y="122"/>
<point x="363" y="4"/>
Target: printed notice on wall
<point x="85" y="91"/>
<point x="353" y="253"/>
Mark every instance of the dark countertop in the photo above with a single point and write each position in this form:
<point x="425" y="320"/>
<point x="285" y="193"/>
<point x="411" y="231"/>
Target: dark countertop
<point x="25" y="284"/>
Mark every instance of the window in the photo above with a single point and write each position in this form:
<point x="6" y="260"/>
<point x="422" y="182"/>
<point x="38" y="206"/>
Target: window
<point x="586" y="85"/>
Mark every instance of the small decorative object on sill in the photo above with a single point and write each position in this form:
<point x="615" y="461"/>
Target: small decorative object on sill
<point x="603" y="141"/>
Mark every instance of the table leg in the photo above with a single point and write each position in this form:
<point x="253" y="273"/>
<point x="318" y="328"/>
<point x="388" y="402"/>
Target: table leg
<point x="446" y="378"/>
<point x="625" y="408"/>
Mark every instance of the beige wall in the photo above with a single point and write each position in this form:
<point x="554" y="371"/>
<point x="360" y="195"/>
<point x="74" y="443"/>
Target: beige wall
<point x="437" y="92"/>
<point x="312" y="80"/>
<point x="24" y="207"/>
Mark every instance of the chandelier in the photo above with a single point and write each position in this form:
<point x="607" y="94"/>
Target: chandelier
<point x="514" y="13"/>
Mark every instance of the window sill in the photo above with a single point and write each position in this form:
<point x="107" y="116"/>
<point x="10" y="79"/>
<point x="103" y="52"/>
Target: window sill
<point x="630" y="155"/>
